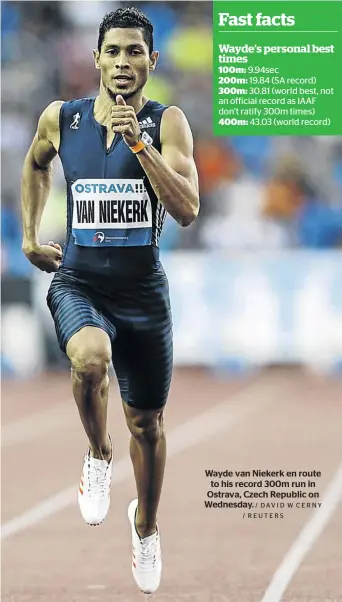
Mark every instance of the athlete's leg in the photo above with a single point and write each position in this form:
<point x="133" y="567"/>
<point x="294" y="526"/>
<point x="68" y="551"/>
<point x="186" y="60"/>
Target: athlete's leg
<point x="148" y="455"/>
<point x="89" y="351"/>
<point x="85" y="335"/>
<point x="143" y="364"/>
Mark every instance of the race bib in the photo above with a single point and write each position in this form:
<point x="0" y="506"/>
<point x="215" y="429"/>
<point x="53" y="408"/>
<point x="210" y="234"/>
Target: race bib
<point x="111" y="213"/>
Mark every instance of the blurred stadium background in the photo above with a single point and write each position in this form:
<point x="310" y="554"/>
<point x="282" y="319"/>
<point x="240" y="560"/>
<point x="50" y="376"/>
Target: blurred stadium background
<point x="257" y="280"/>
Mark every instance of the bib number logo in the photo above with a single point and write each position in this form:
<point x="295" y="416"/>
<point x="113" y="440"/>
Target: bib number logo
<point x="98" y="237"/>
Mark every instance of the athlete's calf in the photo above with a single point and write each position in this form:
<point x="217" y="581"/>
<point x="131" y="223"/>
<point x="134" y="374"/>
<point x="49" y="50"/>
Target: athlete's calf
<point x="148" y="454"/>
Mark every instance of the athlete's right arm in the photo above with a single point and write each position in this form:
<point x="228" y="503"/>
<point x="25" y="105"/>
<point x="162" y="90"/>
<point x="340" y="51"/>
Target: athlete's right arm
<point x="35" y="188"/>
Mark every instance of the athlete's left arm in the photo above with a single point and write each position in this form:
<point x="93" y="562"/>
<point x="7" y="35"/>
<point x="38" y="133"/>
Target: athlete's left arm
<point x="172" y="173"/>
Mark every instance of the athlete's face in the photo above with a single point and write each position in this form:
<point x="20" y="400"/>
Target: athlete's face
<point x="124" y="62"/>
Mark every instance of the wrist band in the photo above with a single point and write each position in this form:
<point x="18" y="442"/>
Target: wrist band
<point x="145" y="140"/>
<point x="137" y="147"/>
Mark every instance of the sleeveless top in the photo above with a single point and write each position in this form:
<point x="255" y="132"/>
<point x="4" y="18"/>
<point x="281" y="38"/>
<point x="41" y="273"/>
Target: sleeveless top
<point x="114" y="219"/>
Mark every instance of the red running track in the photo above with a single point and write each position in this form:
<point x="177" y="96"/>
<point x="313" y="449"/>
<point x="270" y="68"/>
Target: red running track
<point x="281" y="419"/>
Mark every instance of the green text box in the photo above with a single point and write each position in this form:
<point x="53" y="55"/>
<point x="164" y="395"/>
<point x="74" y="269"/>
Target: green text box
<point x="277" y="68"/>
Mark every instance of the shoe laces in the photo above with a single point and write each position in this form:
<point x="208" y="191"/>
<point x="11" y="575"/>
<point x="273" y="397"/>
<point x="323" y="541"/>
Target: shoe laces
<point x="97" y="479"/>
<point x="148" y="554"/>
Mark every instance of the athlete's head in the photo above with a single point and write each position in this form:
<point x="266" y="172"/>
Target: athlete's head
<point x="125" y="54"/>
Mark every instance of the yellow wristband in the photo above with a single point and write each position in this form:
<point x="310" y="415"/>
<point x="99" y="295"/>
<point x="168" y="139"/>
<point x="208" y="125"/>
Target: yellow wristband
<point x="137" y="147"/>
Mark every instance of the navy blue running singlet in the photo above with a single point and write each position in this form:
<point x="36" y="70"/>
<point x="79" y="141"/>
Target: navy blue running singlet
<point x="114" y="217"/>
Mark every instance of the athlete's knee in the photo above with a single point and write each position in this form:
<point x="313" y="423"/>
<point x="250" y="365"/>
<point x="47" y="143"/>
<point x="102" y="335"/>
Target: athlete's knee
<point x="90" y="365"/>
<point x="145" y="425"/>
<point x="90" y="359"/>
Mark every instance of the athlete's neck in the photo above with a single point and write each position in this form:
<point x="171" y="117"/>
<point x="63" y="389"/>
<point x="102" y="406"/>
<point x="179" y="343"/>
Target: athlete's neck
<point x="104" y="103"/>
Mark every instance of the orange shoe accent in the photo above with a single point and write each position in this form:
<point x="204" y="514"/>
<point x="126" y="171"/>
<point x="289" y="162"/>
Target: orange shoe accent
<point x="81" y="491"/>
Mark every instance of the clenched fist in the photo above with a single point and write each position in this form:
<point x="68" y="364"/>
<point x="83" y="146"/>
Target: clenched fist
<point x="45" y="257"/>
<point x="124" y="121"/>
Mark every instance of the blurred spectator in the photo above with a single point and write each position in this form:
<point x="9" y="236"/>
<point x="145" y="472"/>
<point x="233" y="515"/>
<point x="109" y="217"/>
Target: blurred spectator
<point x="284" y="192"/>
<point x="319" y="225"/>
<point x="238" y="224"/>
<point x="159" y="87"/>
<point x="215" y="162"/>
<point x="164" y="20"/>
<point x="254" y="152"/>
<point x="10" y="23"/>
<point x="293" y="201"/>
<point x="190" y="48"/>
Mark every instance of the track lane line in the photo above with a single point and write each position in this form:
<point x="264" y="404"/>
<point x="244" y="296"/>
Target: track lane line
<point x="32" y="426"/>
<point x="305" y="540"/>
<point x="221" y="417"/>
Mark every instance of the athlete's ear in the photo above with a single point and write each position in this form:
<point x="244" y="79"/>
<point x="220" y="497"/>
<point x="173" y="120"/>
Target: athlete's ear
<point x="154" y="56"/>
<point x="96" y="56"/>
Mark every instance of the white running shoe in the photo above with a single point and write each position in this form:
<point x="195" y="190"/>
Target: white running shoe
<point x="94" y="489"/>
<point x="146" y="556"/>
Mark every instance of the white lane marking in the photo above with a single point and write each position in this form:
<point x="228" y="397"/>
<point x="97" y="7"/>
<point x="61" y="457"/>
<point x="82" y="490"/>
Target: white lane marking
<point x="61" y="416"/>
<point x="221" y="417"/>
<point x="305" y="540"/>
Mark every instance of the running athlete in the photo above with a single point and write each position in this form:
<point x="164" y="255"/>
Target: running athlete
<point x="127" y="161"/>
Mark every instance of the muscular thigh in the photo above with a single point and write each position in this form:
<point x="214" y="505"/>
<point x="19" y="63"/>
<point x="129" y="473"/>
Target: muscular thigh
<point x="142" y="362"/>
<point x="73" y="309"/>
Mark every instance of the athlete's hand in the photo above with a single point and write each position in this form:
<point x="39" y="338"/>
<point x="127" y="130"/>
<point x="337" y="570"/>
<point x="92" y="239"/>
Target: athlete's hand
<point x="124" y="121"/>
<point x="45" y="257"/>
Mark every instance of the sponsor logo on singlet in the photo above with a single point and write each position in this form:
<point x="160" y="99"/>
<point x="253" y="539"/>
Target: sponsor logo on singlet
<point x="111" y="213"/>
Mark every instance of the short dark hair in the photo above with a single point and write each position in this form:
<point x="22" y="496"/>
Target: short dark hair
<point x="127" y="18"/>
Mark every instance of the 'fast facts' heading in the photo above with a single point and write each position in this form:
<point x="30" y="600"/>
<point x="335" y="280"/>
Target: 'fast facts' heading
<point x="260" y="20"/>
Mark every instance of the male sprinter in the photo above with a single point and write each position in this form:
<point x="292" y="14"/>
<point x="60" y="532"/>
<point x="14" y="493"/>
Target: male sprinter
<point x="127" y="161"/>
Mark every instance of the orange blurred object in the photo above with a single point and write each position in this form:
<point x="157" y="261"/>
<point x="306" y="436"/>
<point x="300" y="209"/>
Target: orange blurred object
<point x="215" y="163"/>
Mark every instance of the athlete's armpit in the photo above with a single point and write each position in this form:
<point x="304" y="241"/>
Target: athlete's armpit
<point x="177" y="144"/>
